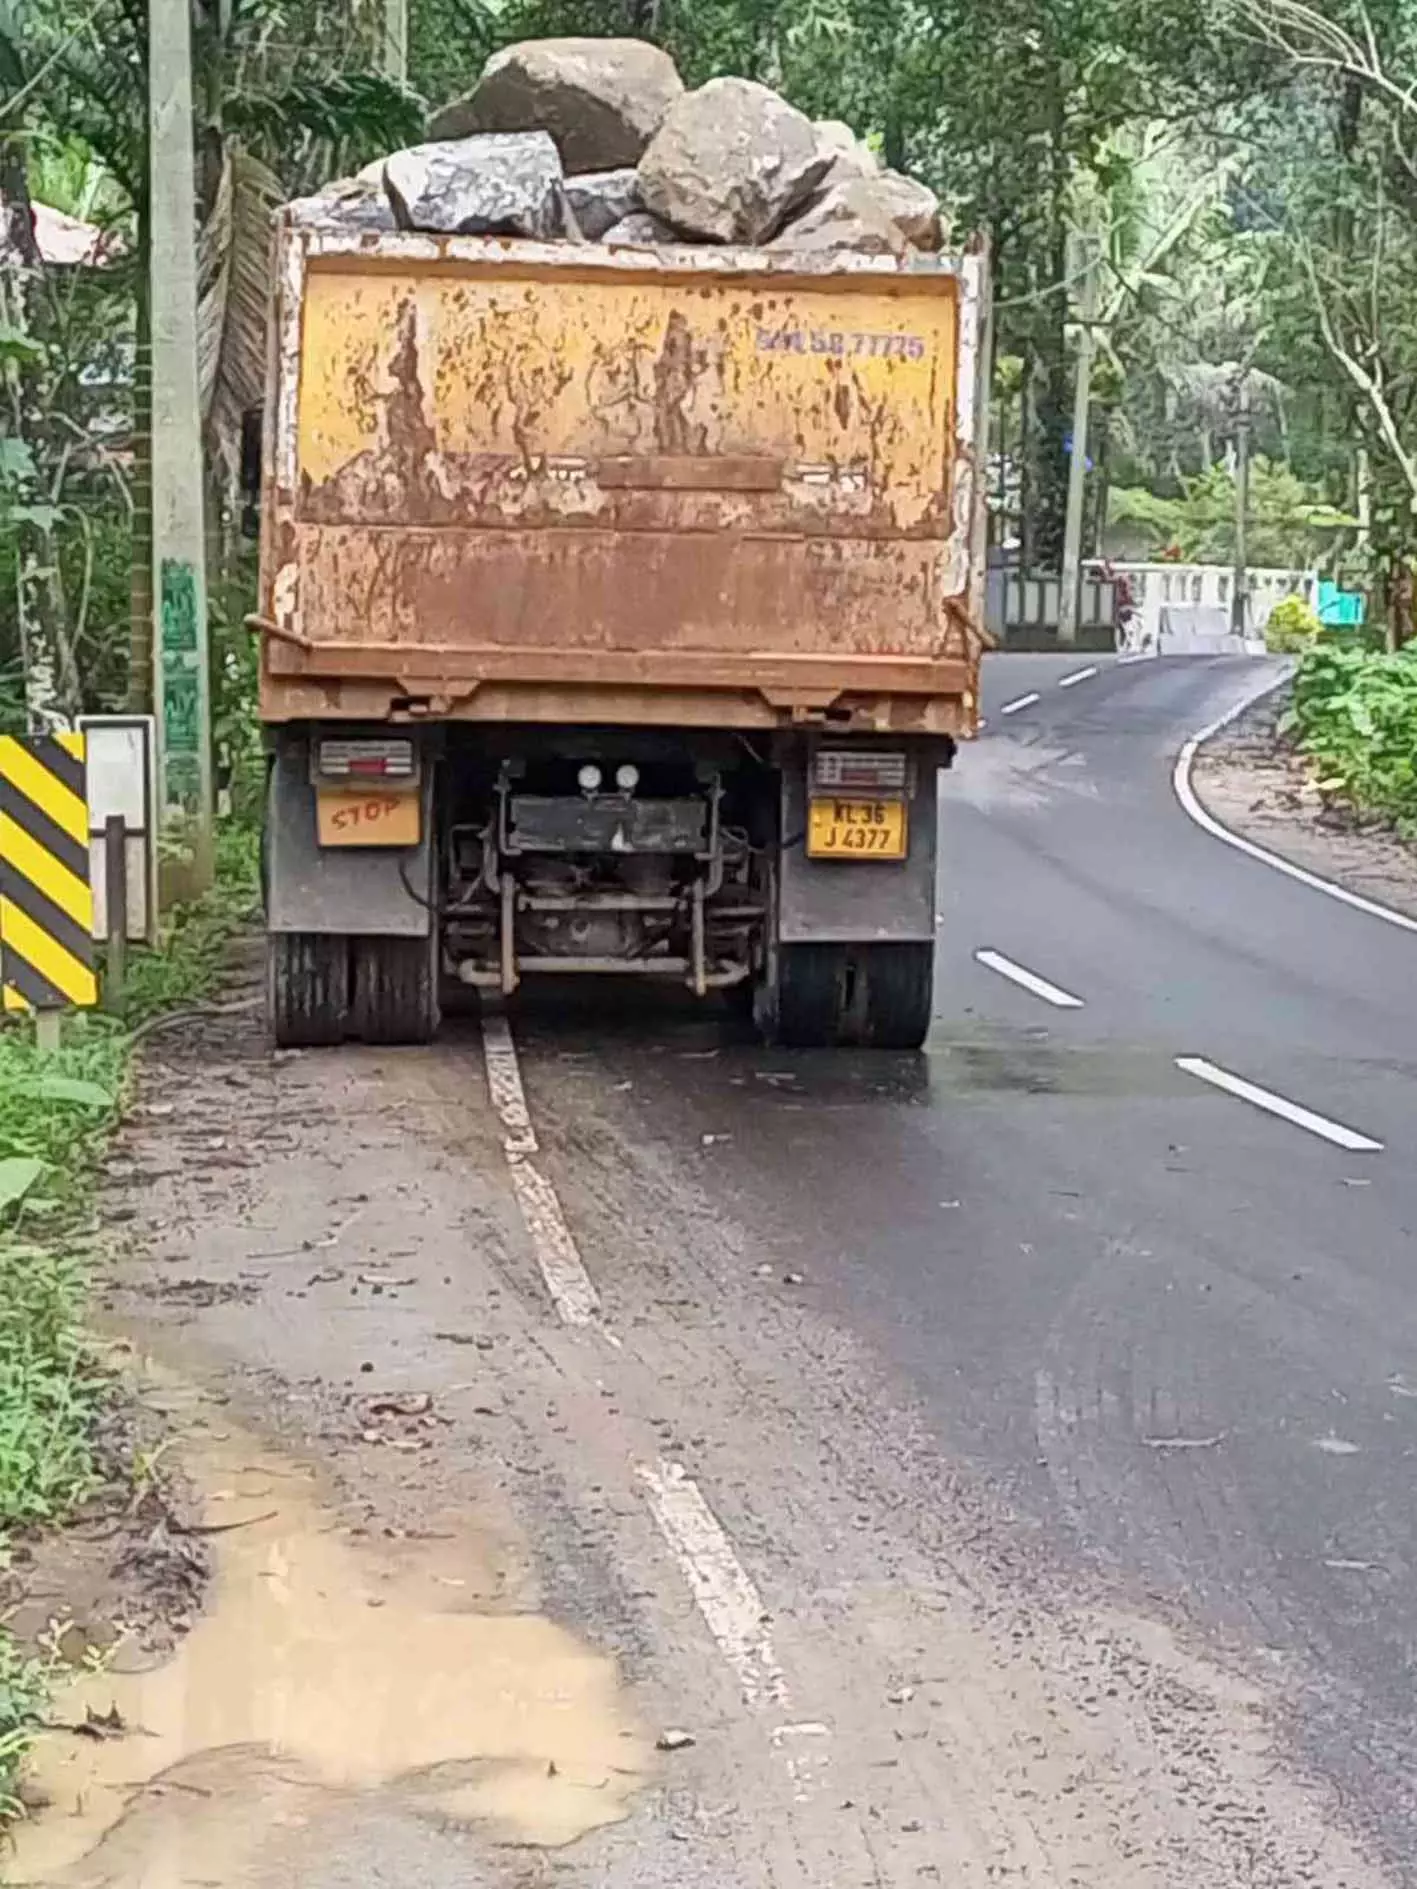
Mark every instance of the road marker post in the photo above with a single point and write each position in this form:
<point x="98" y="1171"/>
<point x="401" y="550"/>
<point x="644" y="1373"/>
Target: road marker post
<point x="46" y="900"/>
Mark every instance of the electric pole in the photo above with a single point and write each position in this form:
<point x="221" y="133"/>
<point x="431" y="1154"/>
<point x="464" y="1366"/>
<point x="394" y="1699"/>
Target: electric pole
<point x="182" y="678"/>
<point x="1239" y="600"/>
<point x="1070" y="587"/>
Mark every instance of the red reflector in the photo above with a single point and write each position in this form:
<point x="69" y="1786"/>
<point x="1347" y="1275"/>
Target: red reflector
<point x="369" y="759"/>
<point x="870" y="771"/>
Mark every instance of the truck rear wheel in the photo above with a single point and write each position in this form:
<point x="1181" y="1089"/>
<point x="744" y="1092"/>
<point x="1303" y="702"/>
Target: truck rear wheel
<point x="307" y="988"/>
<point x="899" y="994"/>
<point x="809" y="1011"/>
<point x="875" y="996"/>
<point x="395" y="990"/>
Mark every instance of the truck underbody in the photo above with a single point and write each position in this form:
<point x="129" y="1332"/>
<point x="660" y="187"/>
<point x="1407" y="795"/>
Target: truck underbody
<point x="793" y="870"/>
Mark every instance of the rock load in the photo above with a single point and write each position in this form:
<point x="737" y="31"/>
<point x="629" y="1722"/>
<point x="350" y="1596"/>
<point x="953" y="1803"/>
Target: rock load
<point x="602" y="100"/>
<point x="596" y="140"/>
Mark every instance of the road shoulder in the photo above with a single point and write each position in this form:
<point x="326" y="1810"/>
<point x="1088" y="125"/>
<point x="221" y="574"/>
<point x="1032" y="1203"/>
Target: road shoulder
<point x="1249" y="779"/>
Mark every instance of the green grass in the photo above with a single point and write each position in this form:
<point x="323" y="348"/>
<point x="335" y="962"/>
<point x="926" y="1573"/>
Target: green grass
<point x="56" y="1113"/>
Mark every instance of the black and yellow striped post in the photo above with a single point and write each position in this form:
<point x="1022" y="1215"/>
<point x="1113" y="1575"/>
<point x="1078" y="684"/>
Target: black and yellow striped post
<point x="46" y="900"/>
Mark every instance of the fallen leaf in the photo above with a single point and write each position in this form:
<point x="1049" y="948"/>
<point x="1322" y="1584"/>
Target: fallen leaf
<point x="674" y="1740"/>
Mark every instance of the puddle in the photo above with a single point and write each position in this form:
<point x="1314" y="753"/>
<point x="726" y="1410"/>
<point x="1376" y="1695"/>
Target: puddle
<point x="327" y="1672"/>
<point x="1036" y="1067"/>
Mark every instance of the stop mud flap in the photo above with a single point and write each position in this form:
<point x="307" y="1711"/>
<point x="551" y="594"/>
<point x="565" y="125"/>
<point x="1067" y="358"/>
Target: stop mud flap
<point x="373" y="891"/>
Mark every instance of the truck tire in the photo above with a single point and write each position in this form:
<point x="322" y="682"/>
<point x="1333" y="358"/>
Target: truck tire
<point x="307" y="988"/>
<point x="395" y="990"/>
<point x="809" y="1004"/>
<point x="899" y="994"/>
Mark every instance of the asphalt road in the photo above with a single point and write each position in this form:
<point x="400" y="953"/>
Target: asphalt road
<point x="1174" y="1332"/>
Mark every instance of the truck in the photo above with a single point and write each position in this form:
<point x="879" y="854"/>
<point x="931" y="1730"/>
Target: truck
<point x="618" y="609"/>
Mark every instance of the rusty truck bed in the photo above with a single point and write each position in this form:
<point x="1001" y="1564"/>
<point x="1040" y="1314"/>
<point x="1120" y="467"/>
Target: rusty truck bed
<point x="527" y="482"/>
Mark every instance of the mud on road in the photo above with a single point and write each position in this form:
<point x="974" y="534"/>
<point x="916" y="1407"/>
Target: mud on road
<point x="684" y="1594"/>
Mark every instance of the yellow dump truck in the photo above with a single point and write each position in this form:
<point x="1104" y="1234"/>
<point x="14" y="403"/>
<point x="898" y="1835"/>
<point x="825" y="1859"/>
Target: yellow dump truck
<point x="618" y="608"/>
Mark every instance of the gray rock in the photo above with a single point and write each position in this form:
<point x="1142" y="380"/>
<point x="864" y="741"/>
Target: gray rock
<point x="508" y="185"/>
<point x="731" y="162"/>
<point x="602" y="198"/>
<point x="357" y="203"/>
<point x="886" y="215"/>
<point x="641" y="231"/>
<point x="846" y="155"/>
<point x="602" y="100"/>
<point x="914" y="206"/>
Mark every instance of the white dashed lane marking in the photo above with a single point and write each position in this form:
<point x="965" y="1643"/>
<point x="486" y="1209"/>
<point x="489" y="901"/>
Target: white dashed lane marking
<point x="1022" y="701"/>
<point x="1279" y="1105"/>
<point x="1078" y="675"/>
<point x="1028" y="980"/>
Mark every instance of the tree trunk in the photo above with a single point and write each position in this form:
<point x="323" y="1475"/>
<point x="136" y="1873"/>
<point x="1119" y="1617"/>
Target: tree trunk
<point x="1102" y="481"/>
<point x="51" y="679"/>
<point x="1025" y="460"/>
<point x="1052" y="400"/>
<point x="1400" y="606"/>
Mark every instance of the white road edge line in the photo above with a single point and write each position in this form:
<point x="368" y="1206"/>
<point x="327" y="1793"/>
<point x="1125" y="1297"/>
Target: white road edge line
<point x="1078" y="675"/>
<point x="1029" y="980"/>
<point x="1023" y="701"/>
<point x="571" y="1288"/>
<point x="723" y="1590"/>
<point x="1273" y="1104"/>
<point x="1186" y="794"/>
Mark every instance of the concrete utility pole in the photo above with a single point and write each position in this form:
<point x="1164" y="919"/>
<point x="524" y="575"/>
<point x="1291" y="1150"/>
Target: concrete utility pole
<point x="1239" y="599"/>
<point x="1070" y="588"/>
<point x="396" y="39"/>
<point x="181" y="681"/>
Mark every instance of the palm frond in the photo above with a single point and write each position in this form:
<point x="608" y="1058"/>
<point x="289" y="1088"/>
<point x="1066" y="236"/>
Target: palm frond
<point x="312" y="126"/>
<point x="233" y="297"/>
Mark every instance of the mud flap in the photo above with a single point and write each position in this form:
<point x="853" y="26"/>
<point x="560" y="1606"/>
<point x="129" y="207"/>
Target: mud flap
<point x="374" y="891"/>
<point x="857" y="901"/>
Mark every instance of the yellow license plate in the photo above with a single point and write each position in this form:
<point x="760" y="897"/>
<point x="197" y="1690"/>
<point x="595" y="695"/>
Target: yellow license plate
<point x="366" y="816"/>
<point x="856" y="829"/>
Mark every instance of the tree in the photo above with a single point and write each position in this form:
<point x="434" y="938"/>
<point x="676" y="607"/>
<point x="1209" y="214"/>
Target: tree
<point x="288" y="93"/>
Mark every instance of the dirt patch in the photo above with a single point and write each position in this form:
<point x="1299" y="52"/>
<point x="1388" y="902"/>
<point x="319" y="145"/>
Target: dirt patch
<point x="1251" y="778"/>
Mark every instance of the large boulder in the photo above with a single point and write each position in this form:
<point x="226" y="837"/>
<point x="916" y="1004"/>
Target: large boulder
<point x="846" y="154"/>
<point x="640" y="231"/>
<point x="509" y="185"/>
<point x="885" y="215"/>
<point x="602" y="100"/>
<point x="599" y="199"/>
<point x="731" y="163"/>
<point x="914" y="206"/>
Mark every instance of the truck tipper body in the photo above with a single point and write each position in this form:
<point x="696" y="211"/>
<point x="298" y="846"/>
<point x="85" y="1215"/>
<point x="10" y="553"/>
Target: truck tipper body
<point x="618" y="609"/>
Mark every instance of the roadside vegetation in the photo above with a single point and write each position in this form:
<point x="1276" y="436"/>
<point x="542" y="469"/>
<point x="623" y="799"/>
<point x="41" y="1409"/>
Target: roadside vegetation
<point x="1354" y="716"/>
<point x="56" y="1113"/>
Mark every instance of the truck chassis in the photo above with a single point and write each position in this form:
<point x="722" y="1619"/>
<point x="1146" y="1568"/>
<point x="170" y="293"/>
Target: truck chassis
<point x="401" y="863"/>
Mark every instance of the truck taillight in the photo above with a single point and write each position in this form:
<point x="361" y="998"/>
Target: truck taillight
<point x="859" y="771"/>
<point x="377" y="759"/>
